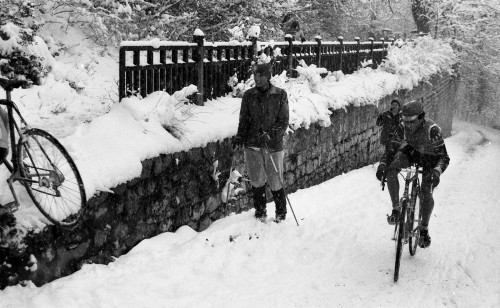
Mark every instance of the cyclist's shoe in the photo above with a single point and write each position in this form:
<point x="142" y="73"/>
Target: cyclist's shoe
<point x="425" y="240"/>
<point x="393" y="218"/>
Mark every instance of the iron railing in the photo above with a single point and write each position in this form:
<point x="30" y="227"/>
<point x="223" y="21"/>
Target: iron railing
<point x="146" y="67"/>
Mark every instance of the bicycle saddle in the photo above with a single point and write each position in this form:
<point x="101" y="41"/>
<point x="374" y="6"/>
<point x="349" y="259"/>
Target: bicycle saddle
<point x="11" y="84"/>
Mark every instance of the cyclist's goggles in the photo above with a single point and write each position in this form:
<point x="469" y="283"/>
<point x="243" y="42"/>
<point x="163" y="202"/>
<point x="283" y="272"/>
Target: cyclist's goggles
<point x="410" y="118"/>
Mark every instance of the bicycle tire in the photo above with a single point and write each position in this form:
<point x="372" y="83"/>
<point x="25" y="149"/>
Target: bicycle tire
<point x="399" y="239"/>
<point x="415" y="235"/>
<point x="51" y="178"/>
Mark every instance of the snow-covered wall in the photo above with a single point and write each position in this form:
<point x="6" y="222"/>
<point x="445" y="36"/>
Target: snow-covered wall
<point x="178" y="189"/>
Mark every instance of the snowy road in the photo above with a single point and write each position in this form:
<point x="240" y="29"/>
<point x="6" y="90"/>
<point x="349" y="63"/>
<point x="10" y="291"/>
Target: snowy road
<point x="341" y="256"/>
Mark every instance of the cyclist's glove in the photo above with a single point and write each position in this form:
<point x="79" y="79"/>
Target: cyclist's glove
<point x="381" y="170"/>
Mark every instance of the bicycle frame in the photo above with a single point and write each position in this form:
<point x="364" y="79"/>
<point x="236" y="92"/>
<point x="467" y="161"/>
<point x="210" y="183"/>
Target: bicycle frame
<point x="411" y="176"/>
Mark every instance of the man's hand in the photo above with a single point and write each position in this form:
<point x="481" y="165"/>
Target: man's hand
<point x="237" y="143"/>
<point x="435" y="177"/>
<point x="381" y="171"/>
<point x="264" y="138"/>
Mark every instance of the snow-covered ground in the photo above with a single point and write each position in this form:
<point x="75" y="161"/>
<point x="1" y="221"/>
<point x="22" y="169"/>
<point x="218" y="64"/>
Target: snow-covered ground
<point x="340" y="256"/>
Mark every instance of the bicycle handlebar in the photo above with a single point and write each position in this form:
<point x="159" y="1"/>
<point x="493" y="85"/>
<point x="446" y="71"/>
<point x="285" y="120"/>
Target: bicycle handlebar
<point x="412" y="169"/>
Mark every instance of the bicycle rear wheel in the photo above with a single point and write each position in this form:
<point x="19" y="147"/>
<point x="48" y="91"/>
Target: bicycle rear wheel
<point x="412" y="223"/>
<point x="51" y="178"/>
<point x="400" y="238"/>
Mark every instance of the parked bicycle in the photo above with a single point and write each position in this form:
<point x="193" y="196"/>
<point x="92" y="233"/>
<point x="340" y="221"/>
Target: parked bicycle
<point x="406" y="229"/>
<point x="42" y="165"/>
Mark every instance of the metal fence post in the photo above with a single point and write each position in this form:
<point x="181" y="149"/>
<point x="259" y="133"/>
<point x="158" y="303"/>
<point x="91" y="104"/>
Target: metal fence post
<point x="199" y="38"/>
<point x="318" y="53"/>
<point x="289" y="39"/>
<point x="341" y="52"/>
<point x="371" y="49"/>
<point x="121" y="78"/>
<point x="255" y="52"/>
<point x="358" y="46"/>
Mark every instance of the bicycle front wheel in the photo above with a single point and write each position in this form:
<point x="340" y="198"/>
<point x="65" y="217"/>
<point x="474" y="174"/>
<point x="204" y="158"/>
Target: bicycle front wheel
<point x="51" y="178"/>
<point x="400" y="237"/>
<point x="412" y="223"/>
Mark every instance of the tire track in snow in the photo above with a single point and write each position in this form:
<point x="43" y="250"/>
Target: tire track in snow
<point x="462" y="214"/>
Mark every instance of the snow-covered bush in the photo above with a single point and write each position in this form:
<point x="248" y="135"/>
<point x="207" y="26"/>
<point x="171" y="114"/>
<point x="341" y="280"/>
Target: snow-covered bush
<point x="22" y="53"/>
<point x="170" y="111"/>
<point x="421" y="59"/>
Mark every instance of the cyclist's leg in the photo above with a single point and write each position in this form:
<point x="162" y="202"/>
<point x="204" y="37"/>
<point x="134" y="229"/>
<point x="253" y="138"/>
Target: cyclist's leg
<point x="427" y="199"/>
<point x="400" y="161"/>
<point x="427" y="205"/>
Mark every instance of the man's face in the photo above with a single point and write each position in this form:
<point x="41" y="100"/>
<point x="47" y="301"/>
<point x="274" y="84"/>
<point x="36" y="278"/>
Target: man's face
<point x="261" y="81"/>
<point x="411" y="123"/>
<point x="394" y="107"/>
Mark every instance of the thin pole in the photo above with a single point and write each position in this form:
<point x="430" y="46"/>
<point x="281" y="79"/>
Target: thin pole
<point x="229" y="179"/>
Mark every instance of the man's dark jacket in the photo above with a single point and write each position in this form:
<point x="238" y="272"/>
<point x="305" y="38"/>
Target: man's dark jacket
<point x="263" y="112"/>
<point x="392" y="127"/>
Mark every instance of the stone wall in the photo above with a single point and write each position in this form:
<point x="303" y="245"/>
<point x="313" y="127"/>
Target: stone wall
<point x="181" y="189"/>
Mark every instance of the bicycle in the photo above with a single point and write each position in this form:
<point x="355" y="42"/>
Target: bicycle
<point x="43" y="166"/>
<point x="406" y="229"/>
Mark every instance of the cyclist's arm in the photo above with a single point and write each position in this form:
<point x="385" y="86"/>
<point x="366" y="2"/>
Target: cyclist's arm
<point x="439" y="149"/>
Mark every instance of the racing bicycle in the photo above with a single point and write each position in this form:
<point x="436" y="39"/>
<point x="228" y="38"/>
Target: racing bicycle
<point x="43" y="166"/>
<point x="406" y="230"/>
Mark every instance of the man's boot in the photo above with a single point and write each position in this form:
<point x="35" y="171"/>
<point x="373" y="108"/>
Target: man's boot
<point x="280" y="201"/>
<point x="259" y="202"/>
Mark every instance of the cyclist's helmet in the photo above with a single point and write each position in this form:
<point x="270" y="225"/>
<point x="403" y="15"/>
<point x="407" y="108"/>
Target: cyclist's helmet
<point x="413" y="110"/>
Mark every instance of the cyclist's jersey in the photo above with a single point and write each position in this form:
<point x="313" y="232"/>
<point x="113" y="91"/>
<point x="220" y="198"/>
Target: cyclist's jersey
<point x="422" y="141"/>
<point x="429" y="143"/>
<point x="4" y="129"/>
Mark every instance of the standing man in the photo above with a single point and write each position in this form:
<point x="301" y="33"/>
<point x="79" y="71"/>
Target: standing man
<point x="262" y="125"/>
<point x="391" y="136"/>
<point x="423" y="144"/>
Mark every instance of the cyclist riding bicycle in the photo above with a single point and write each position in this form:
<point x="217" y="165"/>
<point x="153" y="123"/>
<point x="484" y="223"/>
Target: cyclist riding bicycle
<point x="424" y="145"/>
